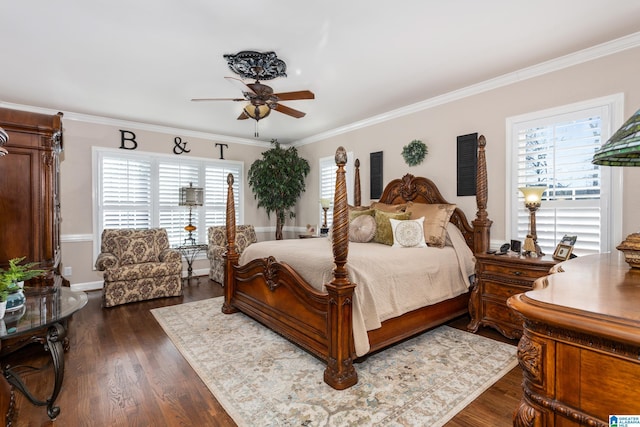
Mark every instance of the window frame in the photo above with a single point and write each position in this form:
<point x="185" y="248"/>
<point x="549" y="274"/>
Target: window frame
<point x="323" y="162"/>
<point x="611" y="193"/>
<point x="155" y="159"/>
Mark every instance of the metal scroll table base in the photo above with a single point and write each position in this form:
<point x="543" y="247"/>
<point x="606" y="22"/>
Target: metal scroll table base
<point x="54" y="344"/>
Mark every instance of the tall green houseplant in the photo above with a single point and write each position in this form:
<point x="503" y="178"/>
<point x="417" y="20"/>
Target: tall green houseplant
<point x="277" y="180"/>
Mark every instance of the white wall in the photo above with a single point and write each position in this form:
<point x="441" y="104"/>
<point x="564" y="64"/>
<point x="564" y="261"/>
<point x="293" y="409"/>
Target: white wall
<point x="485" y="113"/>
<point x="438" y="127"/>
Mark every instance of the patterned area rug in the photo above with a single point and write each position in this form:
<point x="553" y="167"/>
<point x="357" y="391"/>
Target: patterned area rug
<point x="261" y="379"/>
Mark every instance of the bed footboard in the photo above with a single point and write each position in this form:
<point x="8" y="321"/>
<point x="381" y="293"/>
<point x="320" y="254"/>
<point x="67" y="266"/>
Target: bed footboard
<point x="275" y="295"/>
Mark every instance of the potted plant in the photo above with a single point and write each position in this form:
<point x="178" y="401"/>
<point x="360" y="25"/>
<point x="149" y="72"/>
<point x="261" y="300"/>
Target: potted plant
<point x="12" y="282"/>
<point x="277" y="180"/>
<point x="17" y="273"/>
<point x="5" y="285"/>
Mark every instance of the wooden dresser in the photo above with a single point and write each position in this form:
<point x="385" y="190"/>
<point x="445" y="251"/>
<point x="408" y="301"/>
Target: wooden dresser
<point x="497" y="278"/>
<point x="29" y="194"/>
<point x="581" y="344"/>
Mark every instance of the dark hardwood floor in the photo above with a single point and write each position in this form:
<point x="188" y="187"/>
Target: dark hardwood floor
<point x="122" y="370"/>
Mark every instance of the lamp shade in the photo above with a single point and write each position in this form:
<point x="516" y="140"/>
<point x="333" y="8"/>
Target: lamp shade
<point x="257" y="112"/>
<point x="325" y="203"/>
<point x="623" y="148"/>
<point x="4" y="137"/>
<point x="191" y="196"/>
<point x="533" y="195"/>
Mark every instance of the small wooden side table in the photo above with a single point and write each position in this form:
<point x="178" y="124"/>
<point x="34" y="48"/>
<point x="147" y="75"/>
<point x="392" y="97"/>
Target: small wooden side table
<point x="499" y="277"/>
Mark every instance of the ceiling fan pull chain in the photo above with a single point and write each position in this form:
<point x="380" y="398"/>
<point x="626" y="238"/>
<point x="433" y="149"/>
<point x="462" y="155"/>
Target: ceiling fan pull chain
<point x="255" y="133"/>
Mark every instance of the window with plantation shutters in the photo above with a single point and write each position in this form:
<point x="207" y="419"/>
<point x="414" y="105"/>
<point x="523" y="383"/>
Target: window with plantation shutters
<point x="555" y="149"/>
<point x="327" y="180"/>
<point x="141" y="190"/>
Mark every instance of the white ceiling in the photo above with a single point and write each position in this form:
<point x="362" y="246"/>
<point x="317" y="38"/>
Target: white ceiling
<point x="144" y="60"/>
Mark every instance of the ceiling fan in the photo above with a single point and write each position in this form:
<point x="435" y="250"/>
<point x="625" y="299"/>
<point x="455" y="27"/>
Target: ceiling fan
<point x="262" y="100"/>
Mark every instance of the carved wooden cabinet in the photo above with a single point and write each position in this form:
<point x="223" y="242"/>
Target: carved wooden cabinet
<point x="30" y="193"/>
<point x="498" y="277"/>
<point x="580" y="349"/>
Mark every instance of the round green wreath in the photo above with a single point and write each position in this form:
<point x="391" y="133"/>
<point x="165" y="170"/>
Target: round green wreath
<point x="414" y="152"/>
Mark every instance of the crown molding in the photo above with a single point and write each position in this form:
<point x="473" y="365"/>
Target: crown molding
<point x="599" y="51"/>
<point x="128" y="124"/>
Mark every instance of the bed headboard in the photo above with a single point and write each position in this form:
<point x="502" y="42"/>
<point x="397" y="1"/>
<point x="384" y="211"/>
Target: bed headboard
<point x="422" y="190"/>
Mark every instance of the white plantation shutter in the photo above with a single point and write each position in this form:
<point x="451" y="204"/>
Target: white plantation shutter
<point x="141" y="190"/>
<point x="556" y="151"/>
<point x="126" y="193"/>
<point x="171" y="177"/>
<point x="327" y="180"/>
<point x="216" y="193"/>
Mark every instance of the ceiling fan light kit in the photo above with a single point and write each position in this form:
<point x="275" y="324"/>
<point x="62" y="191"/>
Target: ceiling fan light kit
<point x="256" y="112"/>
<point x="262" y="99"/>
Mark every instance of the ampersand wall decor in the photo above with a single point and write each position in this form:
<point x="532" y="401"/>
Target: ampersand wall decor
<point x="180" y="147"/>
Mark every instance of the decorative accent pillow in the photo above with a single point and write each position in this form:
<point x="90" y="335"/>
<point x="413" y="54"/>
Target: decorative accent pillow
<point x="358" y="208"/>
<point x="436" y="217"/>
<point x="353" y="214"/>
<point x="384" y="233"/>
<point x="385" y="207"/>
<point x="362" y="229"/>
<point x="408" y="233"/>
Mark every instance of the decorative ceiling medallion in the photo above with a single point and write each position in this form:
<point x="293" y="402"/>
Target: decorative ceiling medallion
<point x="256" y="65"/>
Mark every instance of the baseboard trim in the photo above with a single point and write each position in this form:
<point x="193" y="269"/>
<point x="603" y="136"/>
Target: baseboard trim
<point x="87" y="286"/>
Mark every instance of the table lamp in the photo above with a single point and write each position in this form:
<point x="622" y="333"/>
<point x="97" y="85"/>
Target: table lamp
<point x="532" y="200"/>
<point x="623" y="149"/>
<point x="325" y="204"/>
<point x="191" y="196"/>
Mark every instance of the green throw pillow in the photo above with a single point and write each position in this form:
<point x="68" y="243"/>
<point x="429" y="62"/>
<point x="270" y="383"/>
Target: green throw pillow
<point x="384" y="232"/>
<point x="353" y="214"/>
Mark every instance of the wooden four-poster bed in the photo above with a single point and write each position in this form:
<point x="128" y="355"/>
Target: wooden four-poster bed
<point x="321" y="321"/>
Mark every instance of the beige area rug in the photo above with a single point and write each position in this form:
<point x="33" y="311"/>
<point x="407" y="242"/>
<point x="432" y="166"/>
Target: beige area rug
<point x="261" y="379"/>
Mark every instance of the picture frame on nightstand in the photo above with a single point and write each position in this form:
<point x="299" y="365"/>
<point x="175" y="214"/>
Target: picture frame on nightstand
<point x="562" y="252"/>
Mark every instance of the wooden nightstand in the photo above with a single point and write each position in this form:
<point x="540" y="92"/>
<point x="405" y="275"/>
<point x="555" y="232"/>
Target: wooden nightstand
<point x="498" y="277"/>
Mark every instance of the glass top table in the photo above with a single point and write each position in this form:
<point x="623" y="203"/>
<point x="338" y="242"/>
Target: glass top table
<point x="43" y="306"/>
<point x="43" y="319"/>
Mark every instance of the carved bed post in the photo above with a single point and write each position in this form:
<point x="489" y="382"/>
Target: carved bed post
<point x="231" y="256"/>
<point x="356" y="195"/>
<point x="482" y="223"/>
<point x="340" y="373"/>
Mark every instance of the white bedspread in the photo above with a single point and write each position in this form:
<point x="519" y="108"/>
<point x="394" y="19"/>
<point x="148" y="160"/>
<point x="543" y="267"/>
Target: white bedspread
<point x="390" y="281"/>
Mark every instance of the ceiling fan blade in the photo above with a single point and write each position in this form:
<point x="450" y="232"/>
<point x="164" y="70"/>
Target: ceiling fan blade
<point x="218" y="99"/>
<point x="290" y="96"/>
<point x="240" y="84"/>
<point x="243" y="116"/>
<point x="289" y="111"/>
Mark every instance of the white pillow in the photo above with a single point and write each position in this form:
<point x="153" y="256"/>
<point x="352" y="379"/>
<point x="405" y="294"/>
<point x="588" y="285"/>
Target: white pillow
<point x="408" y="233"/>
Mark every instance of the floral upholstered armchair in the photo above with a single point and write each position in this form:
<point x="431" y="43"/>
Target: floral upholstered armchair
<point x="138" y="265"/>
<point x="245" y="235"/>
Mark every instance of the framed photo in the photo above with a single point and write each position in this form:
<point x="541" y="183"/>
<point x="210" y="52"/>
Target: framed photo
<point x="563" y="252"/>
<point x="568" y="240"/>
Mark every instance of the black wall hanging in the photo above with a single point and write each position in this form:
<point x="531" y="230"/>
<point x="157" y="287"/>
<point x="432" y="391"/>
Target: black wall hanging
<point x="467" y="164"/>
<point x="375" y="175"/>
